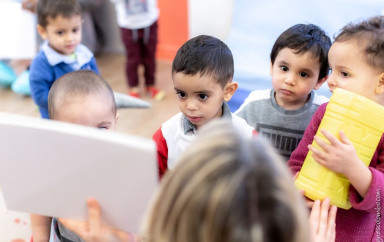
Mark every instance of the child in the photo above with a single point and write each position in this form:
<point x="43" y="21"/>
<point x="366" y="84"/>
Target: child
<point x="225" y="188"/>
<point x="202" y="72"/>
<point x="299" y="65"/>
<point x="80" y="97"/>
<point x="138" y="24"/>
<point x="357" y="64"/>
<point x="59" y="24"/>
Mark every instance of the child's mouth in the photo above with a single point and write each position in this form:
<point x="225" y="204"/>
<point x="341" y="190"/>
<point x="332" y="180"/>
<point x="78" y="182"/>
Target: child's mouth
<point x="194" y="119"/>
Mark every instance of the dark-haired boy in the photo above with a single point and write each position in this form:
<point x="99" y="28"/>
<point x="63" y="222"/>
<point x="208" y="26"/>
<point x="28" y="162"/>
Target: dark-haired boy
<point x="299" y="65"/>
<point x="202" y="73"/>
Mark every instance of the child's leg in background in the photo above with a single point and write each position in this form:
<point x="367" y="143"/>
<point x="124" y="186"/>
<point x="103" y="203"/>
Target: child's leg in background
<point x="149" y="61"/>
<point x="132" y="48"/>
<point x="149" y="53"/>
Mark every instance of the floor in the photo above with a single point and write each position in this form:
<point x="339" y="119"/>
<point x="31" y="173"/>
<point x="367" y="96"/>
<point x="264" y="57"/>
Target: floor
<point x="15" y="226"/>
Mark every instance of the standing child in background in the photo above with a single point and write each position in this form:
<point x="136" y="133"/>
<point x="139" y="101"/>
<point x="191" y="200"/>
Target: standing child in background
<point x="80" y="97"/>
<point x="357" y="64"/>
<point x="138" y="24"/>
<point x="202" y="73"/>
<point x="59" y="24"/>
<point x="299" y="65"/>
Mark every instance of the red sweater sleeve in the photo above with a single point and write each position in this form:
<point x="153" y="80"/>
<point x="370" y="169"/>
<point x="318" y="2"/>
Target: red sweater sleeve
<point x="376" y="189"/>
<point x="162" y="152"/>
<point x="297" y="158"/>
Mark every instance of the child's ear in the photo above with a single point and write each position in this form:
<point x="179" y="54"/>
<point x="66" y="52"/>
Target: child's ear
<point x="320" y="82"/>
<point x="229" y="90"/>
<point x="380" y="84"/>
<point x="117" y="116"/>
<point x="42" y="32"/>
<point x="270" y="68"/>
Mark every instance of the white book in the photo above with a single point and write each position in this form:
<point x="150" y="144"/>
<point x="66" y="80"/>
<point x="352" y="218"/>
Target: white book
<point x="51" y="168"/>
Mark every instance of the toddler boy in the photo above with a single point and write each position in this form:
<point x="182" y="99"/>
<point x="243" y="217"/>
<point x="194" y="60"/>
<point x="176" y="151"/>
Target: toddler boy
<point x="59" y="24"/>
<point x="299" y="65"/>
<point x="202" y="73"/>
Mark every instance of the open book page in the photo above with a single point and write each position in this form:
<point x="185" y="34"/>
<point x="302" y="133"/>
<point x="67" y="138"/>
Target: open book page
<point x="51" y="168"/>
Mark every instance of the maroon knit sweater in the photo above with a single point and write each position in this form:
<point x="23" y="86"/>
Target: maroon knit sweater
<point x="364" y="221"/>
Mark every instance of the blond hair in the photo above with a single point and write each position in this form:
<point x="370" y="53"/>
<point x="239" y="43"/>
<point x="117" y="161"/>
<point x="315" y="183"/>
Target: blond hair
<point x="227" y="188"/>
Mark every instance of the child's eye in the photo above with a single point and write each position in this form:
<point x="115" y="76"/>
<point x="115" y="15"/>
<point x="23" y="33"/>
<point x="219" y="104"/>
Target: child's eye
<point x="203" y="96"/>
<point x="344" y="74"/>
<point x="181" y="94"/>
<point x="304" y="74"/>
<point x="60" y="32"/>
<point x="75" y="30"/>
<point x="102" y="128"/>
<point x="284" y="68"/>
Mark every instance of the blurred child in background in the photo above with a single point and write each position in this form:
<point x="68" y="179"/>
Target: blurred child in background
<point x="138" y="24"/>
<point x="59" y="24"/>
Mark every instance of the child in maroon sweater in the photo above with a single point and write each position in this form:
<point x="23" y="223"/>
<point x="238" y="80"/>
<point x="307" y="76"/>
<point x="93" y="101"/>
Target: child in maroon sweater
<point x="357" y="64"/>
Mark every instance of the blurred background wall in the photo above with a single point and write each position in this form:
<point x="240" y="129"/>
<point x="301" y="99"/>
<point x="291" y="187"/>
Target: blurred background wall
<point x="249" y="27"/>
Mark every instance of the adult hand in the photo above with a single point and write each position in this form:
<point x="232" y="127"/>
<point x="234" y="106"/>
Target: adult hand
<point x="94" y="230"/>
<point x="322" y="221"/>
<point x="308" y="202"/>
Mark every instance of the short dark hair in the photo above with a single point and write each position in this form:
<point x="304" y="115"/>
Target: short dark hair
<point x="369" y="34"/>
<point x="206" y="55"/>
<point x="305" y="38"/>
<point x="52" y="8"/>
<point x="82" y="82"/>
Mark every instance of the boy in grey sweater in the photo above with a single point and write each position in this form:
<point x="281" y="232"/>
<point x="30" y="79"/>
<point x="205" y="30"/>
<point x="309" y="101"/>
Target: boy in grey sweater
<point x="299" y="65"/>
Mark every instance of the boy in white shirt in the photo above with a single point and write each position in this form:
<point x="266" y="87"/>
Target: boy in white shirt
<point x="202" y="73"/>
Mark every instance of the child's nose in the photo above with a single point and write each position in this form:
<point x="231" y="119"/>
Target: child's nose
<point x="191" y="105"/>
<point x="290" y="79"/>
<point x="69" y="37"/>
<point x="332" y="84"/>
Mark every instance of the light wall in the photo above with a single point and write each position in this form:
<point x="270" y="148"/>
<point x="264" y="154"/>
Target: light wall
<point x="212" y="17"/>
<point x="179" y="21"/>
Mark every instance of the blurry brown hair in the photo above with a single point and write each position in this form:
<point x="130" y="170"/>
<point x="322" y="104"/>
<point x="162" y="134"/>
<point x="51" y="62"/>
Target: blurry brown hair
<point x="227" y="188"/>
